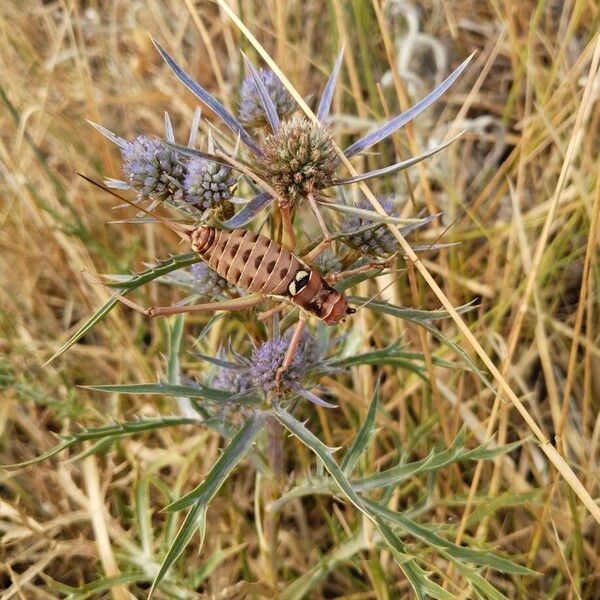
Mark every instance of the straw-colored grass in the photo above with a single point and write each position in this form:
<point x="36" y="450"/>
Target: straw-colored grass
<point x="520" y="191"/>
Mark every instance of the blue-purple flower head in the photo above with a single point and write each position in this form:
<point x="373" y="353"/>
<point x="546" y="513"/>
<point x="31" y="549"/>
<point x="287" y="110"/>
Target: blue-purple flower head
<point x="207" y="184"/>
<point x="153" y="169"/>
<point x="251" y="111"/>
<point x="267" y="358"/>
<point x="208" y="282"/>
<point x="259" y="371"/>
<point x="366" y="237"/>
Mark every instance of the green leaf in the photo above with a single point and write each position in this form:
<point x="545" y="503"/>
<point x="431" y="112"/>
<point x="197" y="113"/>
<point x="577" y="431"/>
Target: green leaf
<point x="460" y="553"/>
<point x="166" y="389"/>
<point x="231" y="456"/>
<point x="410" y="314"/>
<point x="174" y="263"/>
<point x="421" y="584"/>
<point x="195" y="520"/>
<point x="363" y="437"/>
<point x="114" y="430"/>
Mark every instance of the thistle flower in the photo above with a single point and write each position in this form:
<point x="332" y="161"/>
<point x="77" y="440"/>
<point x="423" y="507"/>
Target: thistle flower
<point x="258" y="371"/>
<point x="208" y="282"/>
<point x="366" y="237"/>
<point x="327" y="262"/>
<point x="235" y="381"/>
<point x="251" y="111"/>
<point x="299" y="158"/>
<point x="153" y="169"/>
<point x="207" y="184"/>
<point x="267" y="358"/>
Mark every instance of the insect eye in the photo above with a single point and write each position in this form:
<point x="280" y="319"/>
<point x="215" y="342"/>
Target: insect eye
<point x="350" y="311"/>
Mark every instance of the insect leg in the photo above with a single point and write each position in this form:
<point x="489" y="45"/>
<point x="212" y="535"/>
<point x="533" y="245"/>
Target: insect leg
<point x="233" y="304"/>
<point x="313" y="205"/>
<point x="289" y="235"/>
<point x="291" y="350"/>
<point x="263" y="316"/>
<point x="332" y="278"/>
<point x="159" y="311"/>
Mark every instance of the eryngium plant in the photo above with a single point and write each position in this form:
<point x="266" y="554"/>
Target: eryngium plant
<point x="239" y="389"/>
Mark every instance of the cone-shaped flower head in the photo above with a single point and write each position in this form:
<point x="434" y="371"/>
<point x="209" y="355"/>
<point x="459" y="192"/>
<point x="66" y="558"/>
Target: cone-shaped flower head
<point x="267" y="358"/>
<point x="208" y="282"/>
<point x="299" y="158"/>
<point x="153" y="169"/>
<point x="207" y="184"/>
<point x="231" y="380"/>
<point x="374" y="241"/>
<point x="251" y="111"/>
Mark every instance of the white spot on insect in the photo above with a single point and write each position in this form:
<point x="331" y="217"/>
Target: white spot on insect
<point x="300" y="280"/>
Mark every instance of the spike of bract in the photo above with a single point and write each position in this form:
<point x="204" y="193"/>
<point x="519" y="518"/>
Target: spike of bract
<point x="208" y="99"/>
<point x="404" y="118"/>
<point x="405" y="164"/>
<point x="249" y="211"/>
<point x="327" y="97"/>
<point x="266" y="101"/>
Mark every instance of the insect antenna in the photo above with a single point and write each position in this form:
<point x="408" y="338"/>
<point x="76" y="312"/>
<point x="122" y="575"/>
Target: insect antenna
<point x="183" y="231"/>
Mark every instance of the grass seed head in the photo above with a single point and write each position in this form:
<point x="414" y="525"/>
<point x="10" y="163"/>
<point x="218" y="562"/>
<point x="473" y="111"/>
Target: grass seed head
<point x="299" y="158"/>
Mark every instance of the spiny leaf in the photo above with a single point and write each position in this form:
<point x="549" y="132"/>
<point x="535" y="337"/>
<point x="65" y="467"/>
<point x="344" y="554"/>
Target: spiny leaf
<point x="308" y="395"/>
<point x="468" y="555"/>
<point x="195" y="520"/>
<point x="418" y="578"/>
<point x="400" y="166"/>
<point x="199" y="154"/>
<point x="410" y="314"/>
<point x="174" y="263"/>
<point x="402" y="119"/>
<point x="114" y="429"/>
<point x="231" y="456"/>
<point x="363" y="437"/>
<point x="208" y="99"/>
<point x="327" y="97"/>
<point x="165" y="389"/>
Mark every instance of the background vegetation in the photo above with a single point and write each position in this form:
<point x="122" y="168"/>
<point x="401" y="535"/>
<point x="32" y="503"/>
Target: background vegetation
<point x="526" y="171"/>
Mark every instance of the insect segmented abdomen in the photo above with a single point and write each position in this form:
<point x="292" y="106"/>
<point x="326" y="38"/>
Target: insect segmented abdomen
<point x="250" y="261"/>
<point x="258" y="264"/>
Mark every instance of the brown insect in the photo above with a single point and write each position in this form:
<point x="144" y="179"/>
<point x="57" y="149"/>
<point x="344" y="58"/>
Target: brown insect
<point x="258" y="264"/>
<point x="255" y="263"/>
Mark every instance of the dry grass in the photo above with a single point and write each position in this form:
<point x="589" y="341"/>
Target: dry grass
<point x="73" y="523"/>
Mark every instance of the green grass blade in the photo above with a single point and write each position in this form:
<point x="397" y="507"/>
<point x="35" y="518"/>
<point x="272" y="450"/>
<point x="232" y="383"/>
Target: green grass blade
<point x="231" y="456"/>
